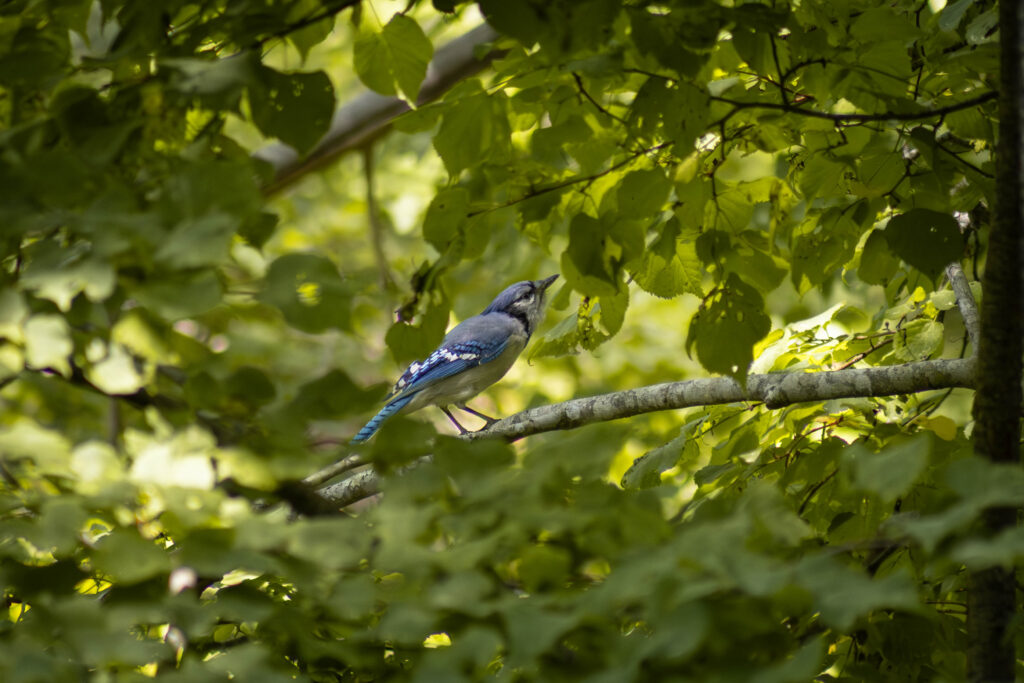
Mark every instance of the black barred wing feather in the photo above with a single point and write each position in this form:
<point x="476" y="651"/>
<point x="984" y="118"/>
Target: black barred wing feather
<point x="446" y="361"/>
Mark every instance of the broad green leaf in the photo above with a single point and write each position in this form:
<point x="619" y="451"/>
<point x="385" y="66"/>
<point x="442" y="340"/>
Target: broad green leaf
<point x="843" y="594"/>
<point x="408" y="342"/>
<point x="589" y="258"/>
<point x="543" y="567"/>
<point x="952" y="14"/>
<point x="182" y="296"/>
<point x="877" y="265"/>
<point x="925" y="239"/>
<point x="26" y="439"/>
<point x="669" y="266"/>
<point x="725" y="330"/>
<point x="643" y="193"/>
<point x="918" y="340"/>
<point x="308" y="291"/>
<point x="250" y="386"/>
<point x="398" y="55"/>
<point x="646" y="471"/>
<point x="445" y="217"/>
<point x="296" y="108"/>
<point x="13" y="313"/>
<point x="60" y="274"/>
<point x="333" y="396"/>
<point x="200" y="242"/>
<point x="1003" y="550"/>
<point x="473" y="130"/>
<point x="128" y="558"/>
<point x="48" y="343"/>
<point x="891" y="472"/>
<point x="116" y="373"/>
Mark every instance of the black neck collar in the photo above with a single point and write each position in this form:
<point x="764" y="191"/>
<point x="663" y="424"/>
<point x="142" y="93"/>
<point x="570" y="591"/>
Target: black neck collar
<point x="521" y="317"/>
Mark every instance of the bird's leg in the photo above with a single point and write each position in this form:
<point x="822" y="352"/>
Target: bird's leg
<point x="486" y="418"/>
<point x="462" y="430"/>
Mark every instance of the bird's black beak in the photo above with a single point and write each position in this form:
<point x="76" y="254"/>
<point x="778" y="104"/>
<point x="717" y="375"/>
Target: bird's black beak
<point x="546" y="282"/>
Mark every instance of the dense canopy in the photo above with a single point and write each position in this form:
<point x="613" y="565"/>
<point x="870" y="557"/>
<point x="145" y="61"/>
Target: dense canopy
<point x="740" y="449"/>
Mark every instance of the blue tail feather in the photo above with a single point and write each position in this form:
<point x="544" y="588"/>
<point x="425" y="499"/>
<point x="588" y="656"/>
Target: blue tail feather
<point x="387" y="411"/>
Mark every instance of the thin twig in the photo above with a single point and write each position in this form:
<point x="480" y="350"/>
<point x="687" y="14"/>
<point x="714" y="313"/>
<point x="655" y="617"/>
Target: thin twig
<point x="864" y="354"/>
<point x="386" y="282"/>
<point x="570" y="182"/>
<point x="597" y="105"/>
<point x="859" y="118"/>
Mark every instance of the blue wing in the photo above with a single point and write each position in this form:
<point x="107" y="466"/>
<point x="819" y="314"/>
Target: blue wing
<point x="475" y="341"/>
<point x="448" y="360"/>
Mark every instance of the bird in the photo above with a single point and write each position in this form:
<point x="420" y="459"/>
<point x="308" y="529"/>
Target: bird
<point x="475" y="354"/>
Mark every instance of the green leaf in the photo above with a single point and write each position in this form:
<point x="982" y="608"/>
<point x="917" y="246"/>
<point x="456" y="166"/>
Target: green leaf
<point x="952" y="14"/>
<point x="398" y="55"/>
<point x="544" y="567"/>
<point x="333" y="396"/>
<point x="822" y="247"/>
<point x="891" y="472"/>
<point x="643" y="193"/>
<point x="843" y="594"/>
<point x="877" y="265"/>
<point x="445" y="217"/>
<point x="308" y="290"/>
<point x="203" y="241"/>
<point x="645" y="472"/>
<point x="474" y="130"/>
<point x="591" y="270"/>
<point x="918" y="340"/>
<point x="218" y="83"/>
<point x="296" y="108"/>
<point x="726" y="329"/>
<point x="60" y="274"/>
<point x="669" y="266"/>
<point x="250" y="386"/>
<point x="611" y="310"/>
<point x="311" y="35"/>
<point x="820" y="175"/>
<point x="925" y="239"/>
<point x="180" y="297"/>
<point x="115" y="374"/>
<point x="128" y="558"/>
<point x="1003" y="550"/>
<point x="48" y="343"/>
<point x="409" y="342"/>
<point x="13" y="313"/>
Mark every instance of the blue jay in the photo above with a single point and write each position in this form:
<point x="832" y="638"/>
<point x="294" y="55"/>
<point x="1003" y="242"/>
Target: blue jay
<point x="473" y="356"/>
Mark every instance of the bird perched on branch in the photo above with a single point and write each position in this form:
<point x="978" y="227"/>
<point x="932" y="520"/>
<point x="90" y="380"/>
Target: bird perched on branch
<point x="475" y="354"/>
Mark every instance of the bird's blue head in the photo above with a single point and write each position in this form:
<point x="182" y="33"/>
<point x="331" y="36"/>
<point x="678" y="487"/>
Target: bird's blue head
<point x="524" y="301"/>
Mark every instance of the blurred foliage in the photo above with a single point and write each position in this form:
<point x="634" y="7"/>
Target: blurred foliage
<point x="765" y="186"/>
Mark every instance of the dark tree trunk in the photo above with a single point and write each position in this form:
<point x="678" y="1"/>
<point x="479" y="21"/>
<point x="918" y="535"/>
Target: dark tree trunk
<point x="997" y="402"/>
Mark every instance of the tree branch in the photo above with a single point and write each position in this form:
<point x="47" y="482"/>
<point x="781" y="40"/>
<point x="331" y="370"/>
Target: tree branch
<point x="859" y="118"/>
<point x="369" y="115"/>
<point x="965" y="302"/>
<point x="775" y="390"/>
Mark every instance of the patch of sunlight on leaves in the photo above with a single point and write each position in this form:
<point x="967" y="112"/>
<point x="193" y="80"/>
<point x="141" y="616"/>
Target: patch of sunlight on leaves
<point x="436" y="640"/>
<point x="115" y="374"/>
<point x="183" y="460"/>
<point x="48" y="343"/>
<point x="95" y="463"/>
